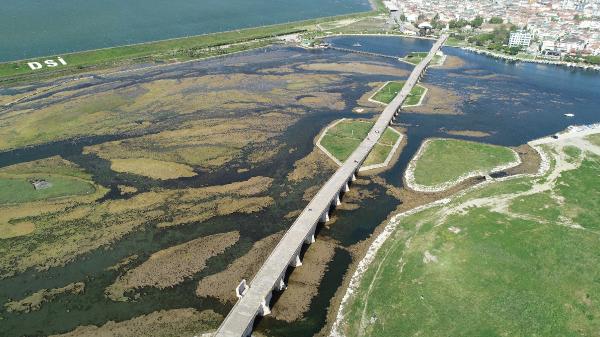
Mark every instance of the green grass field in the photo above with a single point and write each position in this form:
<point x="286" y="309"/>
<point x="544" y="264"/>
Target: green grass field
<point x="342" y="139"/>
<point x="66" y="178"/>
<point x="389" y="91"/>
<point x="445" y="160"/>
<point x="416" y="57"/>
<point x="489" y="271"/>
<point x="18" y="190"/>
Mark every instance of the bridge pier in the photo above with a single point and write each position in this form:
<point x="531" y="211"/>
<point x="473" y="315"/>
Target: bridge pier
<point x="310" y="239"/>
<point x="281" y="285"/>
<point x="264" y="309"/>
<point x="325" y="216"/>
<point x="296" y="262"/>
<point x="337" y="201"/>
<point x="271" y="276"/>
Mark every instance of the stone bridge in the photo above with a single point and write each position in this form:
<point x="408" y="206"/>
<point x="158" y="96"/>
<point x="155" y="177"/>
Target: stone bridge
<point x="270" y="277"/>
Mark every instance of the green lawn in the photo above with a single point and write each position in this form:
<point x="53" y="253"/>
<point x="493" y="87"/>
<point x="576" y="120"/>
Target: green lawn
<point x="67" y="179"/>
<point x="389" y="91"/>
<point x="445" y="160"/>
<point x="416" y="57"/>
<point x="342" y="139"/>
<point x="501" y="274"/>
<point x="18" y="190"/>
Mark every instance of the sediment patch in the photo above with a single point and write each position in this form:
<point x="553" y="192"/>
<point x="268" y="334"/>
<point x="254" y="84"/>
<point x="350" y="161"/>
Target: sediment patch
<point x="175" y="322"/>
<point x="304" y="282"/>
<point x="357" y="67"/>
<point x="222" y="285"/>
<point x="438" y="101"/>
<point x="156" y="169"/>
<point x="34" y="301"/>
<point x="468" y="133"/>
<point x="171" y="266"/>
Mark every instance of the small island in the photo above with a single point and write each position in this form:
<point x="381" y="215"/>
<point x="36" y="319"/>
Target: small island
<point x="436" y="167"/>
<point x="340" y="139"/>
<point x="390" y="89"/>
<point x="416" y="57"/>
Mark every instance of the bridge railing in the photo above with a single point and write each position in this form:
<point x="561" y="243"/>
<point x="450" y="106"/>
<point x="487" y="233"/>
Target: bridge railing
<point x="264" y="282"/>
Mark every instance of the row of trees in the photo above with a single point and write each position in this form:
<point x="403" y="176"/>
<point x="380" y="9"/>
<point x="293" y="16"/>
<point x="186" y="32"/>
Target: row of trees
<point x="476" y="23"/>
<point x="580" y="58"/>
<point x="496" y="40"/>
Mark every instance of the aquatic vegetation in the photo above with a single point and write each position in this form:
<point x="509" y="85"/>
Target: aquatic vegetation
<point x="171" y="266"/>
<point x="34" y="301"/>
<point x="357" y="67"/>
<point x="438" y="101"/>
<point x="468" y="133"/>
<point x="304" y="283"/>
<point x="152" y="168"/>
<point x="174" y="322"/>
<point x="67" y="230"/>
<point x="221" y="284"/>
<point x="159" y="105"/>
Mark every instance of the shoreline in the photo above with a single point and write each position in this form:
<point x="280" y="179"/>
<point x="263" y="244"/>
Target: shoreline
<point x="387" y="228"/>
<point x="511" y="58"/>
<point x="409" y="174"/>
<point x="158" y="51"/>
<point x="582" y="66"/>
<point x="383" y="231"/>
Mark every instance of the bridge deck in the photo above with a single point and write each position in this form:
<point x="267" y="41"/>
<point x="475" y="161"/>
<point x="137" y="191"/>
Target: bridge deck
<point x="242" y="315"/>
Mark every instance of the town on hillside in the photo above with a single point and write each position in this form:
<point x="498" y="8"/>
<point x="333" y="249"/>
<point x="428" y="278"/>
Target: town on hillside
<point x="567" y="30"/>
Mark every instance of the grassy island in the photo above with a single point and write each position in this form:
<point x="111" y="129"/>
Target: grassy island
<point x="58" y="178"/>
<point x="443" y="161"/>
<point x="389" y="90"/>
<point x="343" y="138"/>
<point x="416" y="57"/>
<point x="523" y="249"/>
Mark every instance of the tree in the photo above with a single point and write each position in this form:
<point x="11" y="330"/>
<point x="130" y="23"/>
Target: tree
<point x="402" y="17"/>
<point x="458" y="24"/>
<point x="496" y="20"/>
<point x="477" y="22"/>
<point x="436" y="23"/>
<point x="514" y="50"/>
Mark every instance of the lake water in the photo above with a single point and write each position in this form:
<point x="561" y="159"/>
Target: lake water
<point x="31" y="28"/>
<point x="515" y="103"/>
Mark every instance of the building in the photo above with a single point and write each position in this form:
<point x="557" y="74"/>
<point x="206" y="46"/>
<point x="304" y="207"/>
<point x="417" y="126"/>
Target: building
<point x="519" y="39"/>
<point x="40" y="184"/>
<point x="571" y="45"/>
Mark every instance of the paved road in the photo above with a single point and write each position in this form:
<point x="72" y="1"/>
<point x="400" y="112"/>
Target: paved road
<point x="239" y="321"/>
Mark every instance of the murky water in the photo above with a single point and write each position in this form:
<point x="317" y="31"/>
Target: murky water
<point x="513" y="102"/>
